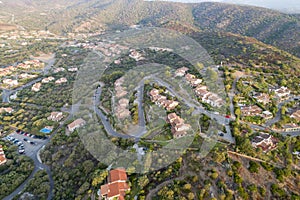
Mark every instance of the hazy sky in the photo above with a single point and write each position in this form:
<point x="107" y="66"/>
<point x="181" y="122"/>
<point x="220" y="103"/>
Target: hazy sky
<point x="288" y="5"/>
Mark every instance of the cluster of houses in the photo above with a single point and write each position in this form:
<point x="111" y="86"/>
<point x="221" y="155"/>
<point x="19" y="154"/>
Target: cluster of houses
<point x="162" y="100"/>
<point x="3" y="159"/>
<point x="136" y="55"/>
<point x="179" y="127"/>
<point x="61" y="69"/>
<point x="108" y="48"/>
<point x="200" y="90"/>
<point x="282" y="93"/>
<point x="122" y="110"/>
<point x="116" y="186"/>
<point x="7" y="70"/>
<point x="21" y="34"/>
<point x="265" y="141"/>
<point x="6" y="110"/>
<point x="10" y="82"/>
<point x="37" y="86"/>
<point x="31" y="64"/>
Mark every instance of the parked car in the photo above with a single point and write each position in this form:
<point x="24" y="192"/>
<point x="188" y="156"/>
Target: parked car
<point x="16" y="141"/>
<point x="21" y="151"/>
<point x="33" y="143"/>
<point x="19" y="143"/>
<point x="25" y="139"/>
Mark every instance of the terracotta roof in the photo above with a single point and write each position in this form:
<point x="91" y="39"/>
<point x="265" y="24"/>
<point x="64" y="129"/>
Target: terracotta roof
<point x="104" y="189"/>
<point x="117" y="189"/>
<point x="117" y="175"/>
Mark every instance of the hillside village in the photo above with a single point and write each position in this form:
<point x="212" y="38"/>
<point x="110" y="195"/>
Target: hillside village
<point x="39" y="111"/>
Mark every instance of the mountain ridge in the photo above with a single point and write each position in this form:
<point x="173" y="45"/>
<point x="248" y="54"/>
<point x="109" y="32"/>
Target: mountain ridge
<point x="269" y="26"/>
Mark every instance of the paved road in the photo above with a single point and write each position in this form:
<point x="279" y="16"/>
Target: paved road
<point x="104" y="119"/>
<point x="278" y="114"/>
<point x="7" y="93"/>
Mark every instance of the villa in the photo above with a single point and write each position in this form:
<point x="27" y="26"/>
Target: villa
<point x="76" y="124"/>
<point x="56" y="116"/>
<point x="60" y="69"/>
<point x="36" y="87"/>
<point x="61" y="80"/>
<point x="181" y="71"/>
<point x="262" y="98"/>
<point x="264" y="141"/>
<point x="47" y="80"/>
<point x="116" y="187"/>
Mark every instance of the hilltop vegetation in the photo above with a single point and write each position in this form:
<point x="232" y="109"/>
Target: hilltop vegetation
<point x="271" y="27"/>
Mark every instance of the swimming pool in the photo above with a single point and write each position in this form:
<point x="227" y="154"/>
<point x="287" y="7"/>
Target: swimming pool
<point x="46" y="130"/>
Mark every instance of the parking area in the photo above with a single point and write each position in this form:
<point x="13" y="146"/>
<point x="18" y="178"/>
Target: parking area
<point x="27" y="144"/>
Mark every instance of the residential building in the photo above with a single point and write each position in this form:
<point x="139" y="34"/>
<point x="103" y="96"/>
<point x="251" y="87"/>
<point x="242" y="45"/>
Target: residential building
<point x="267" y="115"/>
<point x="3" y="159"/>
<point x="296" y="115"/>
<point x="262" y="98"/>
<point x="73" y="69"/>
<point x="181" y="71"/>
<point x="6" y="110"/>
<point x="120" y="91"/>
<point x="10" y="82"/>
<point x="136" y="55"/>
<point x="194" y="82"/>
<point x="48" y="79"/>
<point x="61" y="80"/>
<point x="291" y="127"/>
<point x="170" y="104"/>
<point x="26" y="76"/>
<point x="179" y="128"/>
<point x="282" y="93"/>
<point x="116" y="187"/>
<point x="60" y="69"/>
<point x="154" y="93"/>
<point x="122" y="110"/>
<point x="36" y="87"/>
<point x="56" y="116"/>
<point x="264" y="141"/>
<point x="76" y="124"/>
<point x="251" y="110"/>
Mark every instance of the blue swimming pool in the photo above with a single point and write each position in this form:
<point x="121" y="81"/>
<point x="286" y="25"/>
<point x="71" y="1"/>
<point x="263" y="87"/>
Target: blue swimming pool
<point x="46" y="130"/>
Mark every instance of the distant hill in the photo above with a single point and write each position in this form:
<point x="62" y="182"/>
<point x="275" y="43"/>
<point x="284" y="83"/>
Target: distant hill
<point x="272" y="27"/>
